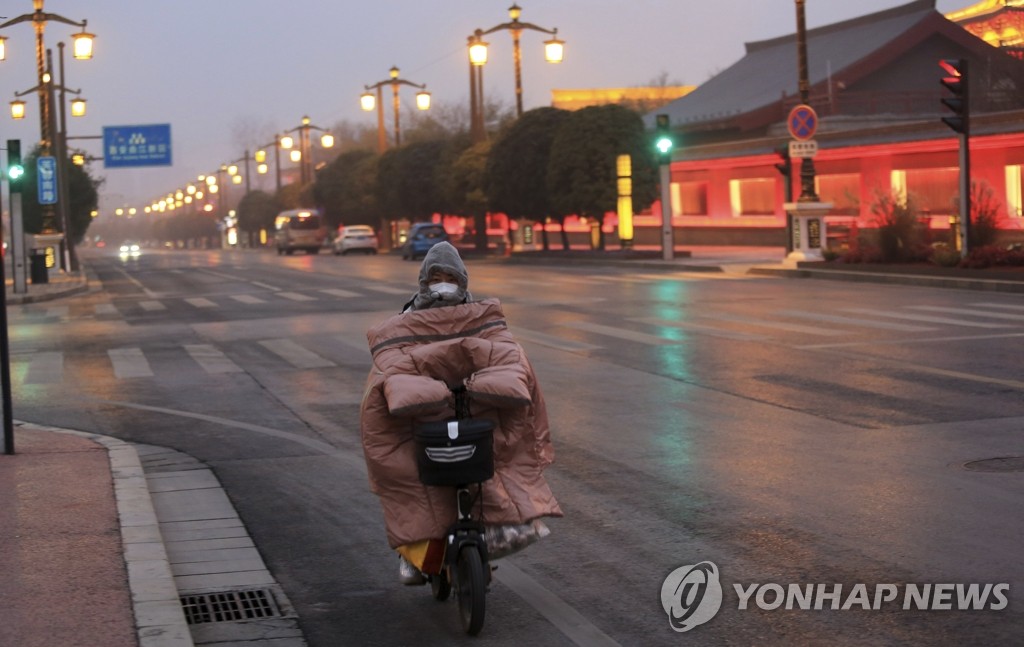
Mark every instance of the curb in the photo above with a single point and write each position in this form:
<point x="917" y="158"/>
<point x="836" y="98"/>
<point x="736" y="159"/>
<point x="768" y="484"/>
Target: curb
<point x="960" y="283"/>
<point x="76" y="287"/>
<point x="159" y="618"/>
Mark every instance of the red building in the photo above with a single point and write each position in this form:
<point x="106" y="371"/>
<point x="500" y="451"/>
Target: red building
<point x="875" y="87"/>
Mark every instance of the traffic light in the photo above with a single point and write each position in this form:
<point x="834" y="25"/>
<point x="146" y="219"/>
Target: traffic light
<point x="955" y="80"/>
<point x="663" y="139"/>
<point x="15" y="171"/>
<point x="785" y="166"/>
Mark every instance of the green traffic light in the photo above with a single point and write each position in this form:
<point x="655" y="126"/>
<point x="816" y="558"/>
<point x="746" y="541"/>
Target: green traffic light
<point x="15" y="172"/>
<point x="664" y="145"/>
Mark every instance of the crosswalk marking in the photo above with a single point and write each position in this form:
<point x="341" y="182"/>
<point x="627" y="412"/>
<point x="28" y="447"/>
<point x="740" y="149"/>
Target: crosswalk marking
<point x="247" y="298"/>
<point x="45" y="368"/>
<point x="386" y="289"/>
<point x="779" y="325"/>
<point x="265" y="286"/>
<point x="551" y="341"/>
<point x="619" y="333"/>
<point x="925" y="318"/>
<point x="853" y="321"/>
<point x="338" y="292"/>
<point x="295" y="296"/>
<point x="200" y="302"/>
<point x="707" y="330"/>
<point x="106" y="309"/>
<point x="152" y="306"/>
<point x="129" y="362"/>
<point x="211" y="359"/>
<point x="972" y="312"/>
<point x="296" y="355"/>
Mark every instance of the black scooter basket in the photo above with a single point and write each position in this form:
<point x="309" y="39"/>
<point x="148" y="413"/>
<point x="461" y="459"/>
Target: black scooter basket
<point x="455" y="452"/>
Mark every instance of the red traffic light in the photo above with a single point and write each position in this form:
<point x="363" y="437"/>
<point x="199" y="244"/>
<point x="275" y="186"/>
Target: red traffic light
<point x="955" y="81"/>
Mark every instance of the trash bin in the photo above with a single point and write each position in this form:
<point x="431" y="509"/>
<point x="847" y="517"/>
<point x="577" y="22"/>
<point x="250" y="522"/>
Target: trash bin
<point x="37" y="267"/>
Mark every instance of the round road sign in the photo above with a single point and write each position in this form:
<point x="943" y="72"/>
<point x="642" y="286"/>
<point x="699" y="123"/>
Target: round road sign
<point x="802" y="122"/>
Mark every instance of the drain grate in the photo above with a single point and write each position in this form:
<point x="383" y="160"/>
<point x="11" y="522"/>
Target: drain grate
<point x="229" y="606"/>
<point x="1004" y="464"/>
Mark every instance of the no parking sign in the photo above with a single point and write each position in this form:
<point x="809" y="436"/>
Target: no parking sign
<point x="802" y="122"/>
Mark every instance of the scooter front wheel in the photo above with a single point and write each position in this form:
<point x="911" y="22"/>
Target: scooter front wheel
<point x="472" y="589"/>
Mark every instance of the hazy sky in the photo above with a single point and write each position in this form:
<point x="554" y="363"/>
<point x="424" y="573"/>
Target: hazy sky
<point x="214" y="68"/>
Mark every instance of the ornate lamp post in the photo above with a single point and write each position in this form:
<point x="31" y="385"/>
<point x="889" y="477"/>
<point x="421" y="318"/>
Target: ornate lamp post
<point x="553" y="53"/>
<point x="368" y="100"/>
<point x="303" y="154"/>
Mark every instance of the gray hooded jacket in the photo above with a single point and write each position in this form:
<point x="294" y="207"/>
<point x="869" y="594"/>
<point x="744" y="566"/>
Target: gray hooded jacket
<point x="442" y="256"/>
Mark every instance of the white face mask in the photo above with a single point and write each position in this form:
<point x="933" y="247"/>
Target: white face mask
<point x="444" y="289"/>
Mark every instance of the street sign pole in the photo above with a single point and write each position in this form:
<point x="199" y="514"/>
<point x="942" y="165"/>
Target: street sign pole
<point x="667" y="242"/>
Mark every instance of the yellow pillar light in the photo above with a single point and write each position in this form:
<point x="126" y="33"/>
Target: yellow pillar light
<point x="82" y="44"/>
<point x="260" y="156"/>
<point x="236" y="179"/>
<point x="78" y="159"/>
<point x="233" y="170"/>
<point x="17" y="109"/>
<point x="287" y="142"/>
<point x="211" y="180"/>
<point x="3" y="48"/>
<point x="423" y="100"/>
<point x="554" y="49"/>
<point x="478" y="52"/>
<point x="296" y="155"/>
<point x="261" y="169"/>
<point x="78" y="107"/>
<point x="368" y="101"/>
<point x="624" y="171"/>
<point x="327" y="140"/>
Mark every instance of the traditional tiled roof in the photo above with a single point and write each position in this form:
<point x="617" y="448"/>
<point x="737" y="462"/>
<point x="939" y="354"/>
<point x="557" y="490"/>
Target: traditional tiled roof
<point x="768" y="71"/>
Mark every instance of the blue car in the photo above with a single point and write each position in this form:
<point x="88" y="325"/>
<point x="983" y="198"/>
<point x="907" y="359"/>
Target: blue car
<point x="422" y="236"/>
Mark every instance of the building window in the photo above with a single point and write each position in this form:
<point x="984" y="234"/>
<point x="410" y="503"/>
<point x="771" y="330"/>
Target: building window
<point x="690" y="199"/>
<point x="842" y="190"/>
<point x="1014" y="200"/>
<point x="933" y="190"/>
<point x="753" y="197"/>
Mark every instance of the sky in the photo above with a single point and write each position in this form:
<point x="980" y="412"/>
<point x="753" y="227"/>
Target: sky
<point x="223" y="72"/>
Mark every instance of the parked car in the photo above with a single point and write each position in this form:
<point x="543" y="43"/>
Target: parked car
<point x="299" y="229"/>
<point x="421" y="237"/>
<point x="355" y="238"/>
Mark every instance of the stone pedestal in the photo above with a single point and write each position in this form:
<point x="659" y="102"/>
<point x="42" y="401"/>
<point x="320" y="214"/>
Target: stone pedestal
<point x="809" y="234"/>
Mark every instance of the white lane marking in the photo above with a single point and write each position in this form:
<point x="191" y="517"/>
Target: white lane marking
<point x="711" y="331"/>
<point x="265" y="286"/>
<point x="569" y="621"/>
<point x="852" y="321"/>
<point x="45" y="368"/>
<point x="200" y="302"/>
<point x="106" y="309"/>
<point x="385" y="289"/>
<point x="619" y="333"/>
<point x="779" y="325"/>
<point x="338" y="292"/>
<point x="905" y="341"/>
<point x="247" y="298"/>
<point x="152" y="306"/>
<point x="999" y="305"/>
<point x="133" y="281"/>
<point x="295" y="296"/>
<point x="295" y="355"/>
<point x="925" y="318"/>
<point x="971" y="312"/>
<point x="129" y="362"/>
<point x="551" y="341"/>
<point x="211" y="359"/>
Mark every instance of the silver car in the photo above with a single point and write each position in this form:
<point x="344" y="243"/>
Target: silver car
<point x="355" y="238"/>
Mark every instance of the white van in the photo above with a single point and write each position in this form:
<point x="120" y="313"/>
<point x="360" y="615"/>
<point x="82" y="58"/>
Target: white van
<point x="299" y="229"/>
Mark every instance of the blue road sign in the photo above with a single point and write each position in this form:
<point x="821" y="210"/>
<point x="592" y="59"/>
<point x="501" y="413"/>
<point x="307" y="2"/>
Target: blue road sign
<point x="46" y="173"/>
<point x="129" y="146"/>
<point x="802" y="122"/>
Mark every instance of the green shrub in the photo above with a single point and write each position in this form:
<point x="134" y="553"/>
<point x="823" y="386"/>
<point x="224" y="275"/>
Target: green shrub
<point x="900" y="235"/>
<point x="943" y="256"/>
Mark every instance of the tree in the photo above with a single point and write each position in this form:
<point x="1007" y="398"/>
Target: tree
<point x="515" y="178"/>
<point x="342" y="189"/>
<point x="406" y="184"/>
<point x="256" y="211"/>
<point x="84" y="197"/>
<point x="462" y="171"/>
<point x="582" y="177"/>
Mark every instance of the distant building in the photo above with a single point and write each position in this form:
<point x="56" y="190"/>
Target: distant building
<point x="874" y="83"/>
<point x="999" y="23"/>
<point x="642" y="99"/>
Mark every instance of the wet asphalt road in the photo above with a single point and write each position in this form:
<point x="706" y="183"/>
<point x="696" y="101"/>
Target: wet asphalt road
<point x="790" y="432"/>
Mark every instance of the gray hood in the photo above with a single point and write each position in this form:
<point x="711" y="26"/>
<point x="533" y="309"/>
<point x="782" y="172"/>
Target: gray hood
<point x="442" y="256"/>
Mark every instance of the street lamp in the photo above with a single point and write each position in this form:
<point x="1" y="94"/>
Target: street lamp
<point x="554" y="50"/>
<point x="304" y="153"/>
<point x="369" y="101"/>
